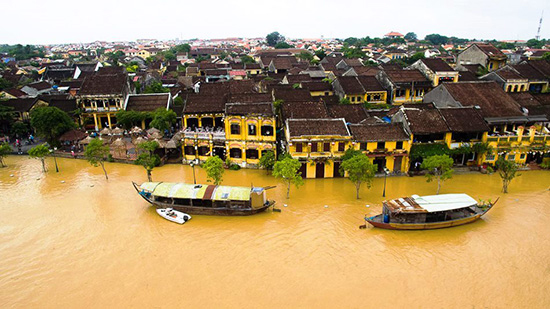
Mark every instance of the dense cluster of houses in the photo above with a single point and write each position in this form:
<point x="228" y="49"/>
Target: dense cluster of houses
<point x="315" y="111"/>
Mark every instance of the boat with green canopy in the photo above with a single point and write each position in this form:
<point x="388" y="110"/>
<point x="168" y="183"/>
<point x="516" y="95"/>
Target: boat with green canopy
<point x="203" y="199"/>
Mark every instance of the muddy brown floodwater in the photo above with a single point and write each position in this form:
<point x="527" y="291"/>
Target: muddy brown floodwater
<point x="89" y="242"/>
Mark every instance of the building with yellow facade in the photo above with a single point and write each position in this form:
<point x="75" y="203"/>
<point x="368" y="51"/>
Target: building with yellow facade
<point x="404" y="86"/>
<point x="436" y="70"/>
<point x="486" y="55"/>
<point x="360" y="89"/>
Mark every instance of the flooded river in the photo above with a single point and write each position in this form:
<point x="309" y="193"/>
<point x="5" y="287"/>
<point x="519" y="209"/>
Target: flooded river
<point x="89" y="242"/>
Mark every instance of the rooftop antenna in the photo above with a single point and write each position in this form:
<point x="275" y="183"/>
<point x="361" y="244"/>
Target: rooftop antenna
<point x="540" y="24"/>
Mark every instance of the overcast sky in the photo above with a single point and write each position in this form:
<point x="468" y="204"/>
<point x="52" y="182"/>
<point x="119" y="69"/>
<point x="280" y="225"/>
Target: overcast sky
<point x="73" y="21"/>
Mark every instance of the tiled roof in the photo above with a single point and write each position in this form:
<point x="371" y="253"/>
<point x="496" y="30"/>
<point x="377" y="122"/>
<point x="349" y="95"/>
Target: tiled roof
<point x="249" y="98"/>
<point x="528" y="71"/>
<point x="464" y="119"/>
<point x="264" y="109"/>
<point x="490" y="50"/>
<point x="200" y="103"/>
<point x="405" y="76"/>
<point x="66" y="105"/>
<point x="147" y="102"/>
<point x="304" y="110"/>
<point x="378" y="132"/>
<point x="437" y="65"/>
<point x="317" y="86"/>
<point x="20" y="105"/>
<point x="492" y="99"/>
<point x="424" y="119"/>
<point x="351" y="85"/>
<point x="292" y="95"/>
<point x="314" y="127"/>
<point x="352" y="113"/>
<point x="370" y="83"/>
<point x="98" y="84"/>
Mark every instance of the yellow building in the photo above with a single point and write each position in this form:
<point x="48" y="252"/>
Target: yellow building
<point x="387" y="145"/>
<point x="517" y="143"/>
<point x="360" y="89"/>
<point x="318" y="144"/>
<point x="436" y="70"/>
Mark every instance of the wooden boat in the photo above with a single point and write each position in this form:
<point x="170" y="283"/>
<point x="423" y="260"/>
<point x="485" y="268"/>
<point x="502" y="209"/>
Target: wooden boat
<point x="202" y="199"/>
<point x="173" y="215"/>
<point x="429" y="212"/>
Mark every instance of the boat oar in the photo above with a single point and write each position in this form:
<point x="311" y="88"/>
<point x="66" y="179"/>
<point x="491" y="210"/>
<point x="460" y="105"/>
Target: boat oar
<point x="276" y="209"/>
<point x="361" y="227"/>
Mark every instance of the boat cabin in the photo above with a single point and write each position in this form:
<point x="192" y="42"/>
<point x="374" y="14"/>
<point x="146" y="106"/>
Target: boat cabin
<point x="209" y="196"/>
<point x="428" y="209"/>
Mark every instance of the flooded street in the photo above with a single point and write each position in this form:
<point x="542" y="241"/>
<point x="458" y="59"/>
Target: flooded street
<point x="89" y="242"/>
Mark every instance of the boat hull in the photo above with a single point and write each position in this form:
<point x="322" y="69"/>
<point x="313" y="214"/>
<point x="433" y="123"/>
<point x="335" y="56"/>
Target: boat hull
<point x="377" y="221"/>
<point x="209" y="211"/>
<point x="177" y="217"/>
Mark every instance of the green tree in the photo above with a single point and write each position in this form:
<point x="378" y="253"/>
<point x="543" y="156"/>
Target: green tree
<point x="163" y="119"/>
<point x="439" y="168"/>
<point x="288" y="170"/>
<point x="20" y="129"/>
<point x="182" y="48"/>
<point x="411" y="36"/>
<point x="96" y="153"/>
<point x="273" y="38"/>
<point x="282" y="45"/>
<point x="320" y="53"/>
<point x="156" y="87"/>
<point x="307" y="56"/>
<point x="267" y="160"/>
<point x="5" y="149"/>
<point x="546" y="56"/>
<point x="178" y="101"/>
<point x="247" y="59"/>
<point x="436" y="39"/>
<point x="214" y="169"/>
<point x="148" y="159"/>
<point x="360" y="170"/>
<point x="5" y="84"/>
<point x="50" y="123"/>
<point x="415" y="57"/>
<point x="7" y="117"/>
<point x="508" y="170"/>
<point x="40" y="152"/>
<point x="128" y="119"/>
<point x="534" y="43"/>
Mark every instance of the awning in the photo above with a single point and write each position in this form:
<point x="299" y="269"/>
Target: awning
<point x="191" y="191"/>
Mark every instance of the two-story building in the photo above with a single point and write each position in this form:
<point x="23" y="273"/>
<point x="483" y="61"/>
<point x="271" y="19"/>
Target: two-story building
<point x="484" y="54"/>
<point x="436" y="70"/>
<point x="360" y="89"/>
<point x="509" y="79"/>
<point x="101" y="95"/>
<point x="404" y="86"/>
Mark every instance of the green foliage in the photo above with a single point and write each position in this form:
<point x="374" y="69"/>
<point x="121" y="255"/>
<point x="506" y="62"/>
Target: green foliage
<point x="320" y="53"/>
<point x="96" y="153"/>
<point x="155" y="87"/>
<point x="436" y="39"/>
<point x="273" y="38"/>
<point x="360" y="170"/>
<point x="546" y="56"/>
<point x="415" y="57"/>
<point x="439" y="168"/>
<point x="7" y="117"/>
<point x="348" y="154"/>
<point x="40" y="152"/>
<point x="277" y="104"/>
<point x="345" y="101"/>
<point x="178" y="101"/>
<point x="182" y="48"/>
<point x="482" y="148"/>
<point x="353" y="52"/>
<point x="247" y="59"/>
<point x="148" y="159"/>
<point x="537" y="44"/>
<point x="508" y="170"/>
<point x="506" y="45"/>
<point x="288" y="170"/>
<point x="128" y="119"/>
<point x="267" y="160"/>
<point x="307" y="56"/>
<point x="163" y="119"/>
<point x="114" y="57"/>
<point x="21" y="52"/>
<point x="234" y="167"/>
<point x="282" y="45"/>
<point x="482" y="71"/>
<point x="428" y="150"/>
<point x="411" y="36"/>
<point x="5" y="149"/>
<point x="50" y="123"/>
<point x="296" y="86"/>
<point x="5" y="84"/>
<point x="20" y="129"/>
<point x="214" y="169"/>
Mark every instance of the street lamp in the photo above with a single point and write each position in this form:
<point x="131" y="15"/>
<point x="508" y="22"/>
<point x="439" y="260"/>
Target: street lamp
<point x="386" y="173"/>
<point x="193" y="163"/>
<point x="52" y="151"/>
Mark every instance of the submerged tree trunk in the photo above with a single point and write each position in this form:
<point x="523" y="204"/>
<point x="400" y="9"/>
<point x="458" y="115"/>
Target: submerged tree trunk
<point x="438" y="185"/>
<point x="357" y="187"/>
<point x="104" y="171"/>
<point x="2" y="162"/>
<point x="505" y="186"/>
<point x="288" y="190"/>
<point x="149" y="176"/>
<point x="43" y="164"/>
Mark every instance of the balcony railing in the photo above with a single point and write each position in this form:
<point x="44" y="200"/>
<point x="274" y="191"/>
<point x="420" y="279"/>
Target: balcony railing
<point x="205" y="133"/>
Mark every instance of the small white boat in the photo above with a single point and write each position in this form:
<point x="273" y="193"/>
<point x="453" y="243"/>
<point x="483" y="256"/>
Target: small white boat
<point x="173" y="215"/>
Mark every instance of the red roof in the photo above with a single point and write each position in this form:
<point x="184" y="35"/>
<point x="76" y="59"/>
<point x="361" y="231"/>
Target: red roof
<point x="393" y="34"/>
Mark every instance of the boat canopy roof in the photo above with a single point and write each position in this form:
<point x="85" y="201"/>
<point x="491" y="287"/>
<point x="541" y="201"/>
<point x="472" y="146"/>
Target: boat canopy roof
<point x="430" y="203"/>
<point x="199" y="191"/>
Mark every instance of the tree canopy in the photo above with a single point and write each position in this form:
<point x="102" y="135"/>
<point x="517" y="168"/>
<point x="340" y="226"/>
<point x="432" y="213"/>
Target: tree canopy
<point x="148" y="159"/>
<point x="282" y="45"/>
<point x="267" y="160"/>
<point x="96" y="153"/>
<point x="360" y="170"/>
<point x="273" y="38"/>
<point x="436" y="39"/>
<point x="214" y="169"/>
<point x="40" y="152"/>
<point x="129" y="118"/>
<point x="50" y="123"/>
<point x="411" y="36"/>
<point x="439" y="168"/>
<point x="7" y="117"/>
<point x="163" y="119"/>
<point x="5" y="149"/>
<point x="508" y="170"/>
<point x="288" y="170"/>
<point x="156" y="87"/>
